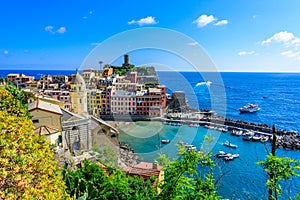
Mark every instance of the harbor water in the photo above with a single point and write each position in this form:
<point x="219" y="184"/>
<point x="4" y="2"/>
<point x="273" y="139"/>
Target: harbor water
<point x="277" y="94"/>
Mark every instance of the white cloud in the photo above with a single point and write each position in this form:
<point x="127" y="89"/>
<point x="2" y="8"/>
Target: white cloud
<point x="26" y="51"/>
<point x="84" y="17"/>
<point x="203" y="20"/>
<point x="144" y="21"/>
<point x="244" y="53"/>
<point x="296" y="42"/>
<point x="132" y="22"/>
<point x="285" y="53"/>
<point x="221" y="22"/>
<point x="61" y="30"/>
<point x="280" y="37"/>
<point x="193" y="43"/>
<point x="5" y="52"/>
<point x="91" y="12"/>
<point x="291" y="54"/>
<point x="49" y="29"/>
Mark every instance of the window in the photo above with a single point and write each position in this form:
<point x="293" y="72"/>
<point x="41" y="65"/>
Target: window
<point x="35" y="121"/>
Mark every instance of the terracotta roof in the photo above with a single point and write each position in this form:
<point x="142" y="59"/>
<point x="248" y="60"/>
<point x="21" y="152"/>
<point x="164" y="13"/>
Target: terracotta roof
<point x="45" y="130"/>
<point x="42" y="105"/>
<point x="144" y="169"/>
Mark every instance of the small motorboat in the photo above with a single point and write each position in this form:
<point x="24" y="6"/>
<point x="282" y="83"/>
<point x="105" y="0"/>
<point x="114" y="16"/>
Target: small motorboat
<point x="256" y="137"/>
<point x="247" y="137"/>
<point x="236" y="155"/>
<point x="249" y="108"/>
<point x="190" y="147"/>
<point x="239" y="133"/>
<point x="228" y="144"/>
<point x="221" y="154"/>
<point x="228" y="158"/>
<point x="264" y="139"/>
<point x="165" y="141"/>
<point x="233" y="132"/>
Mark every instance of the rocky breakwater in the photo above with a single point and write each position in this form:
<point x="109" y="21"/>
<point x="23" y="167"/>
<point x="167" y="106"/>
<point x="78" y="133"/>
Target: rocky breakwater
<point x="127" y="156"/>
<point x="288" y="141"/>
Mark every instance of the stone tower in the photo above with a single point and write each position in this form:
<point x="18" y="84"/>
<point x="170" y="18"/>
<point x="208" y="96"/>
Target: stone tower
<point x="126" y="60"/>
<point x="78" y="95"/>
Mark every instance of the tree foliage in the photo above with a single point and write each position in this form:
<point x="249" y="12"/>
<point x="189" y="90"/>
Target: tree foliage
<point x="27" y="168"/>
<point x="107" y="156"/>
<point x="123" y="70"/>
<point x="183" y="181"/>
<point x="91" y="181"/>
<point x="278" y="169"/>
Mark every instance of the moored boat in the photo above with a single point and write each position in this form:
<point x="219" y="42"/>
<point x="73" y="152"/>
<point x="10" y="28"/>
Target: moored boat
<point x="239" y="133"/>
<point x="165" y="141"/>
<point x="256" y="137"/>
<point x="247" y="137"/>
<point x="228" y="144"/>
<point x="264" y="139"/>
<point x="249" y="108"/>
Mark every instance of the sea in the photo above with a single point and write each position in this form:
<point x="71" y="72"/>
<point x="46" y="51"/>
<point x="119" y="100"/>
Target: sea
<point x="278" y="96"/>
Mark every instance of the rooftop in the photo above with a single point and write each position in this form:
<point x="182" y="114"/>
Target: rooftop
<point x="42" y="105"/>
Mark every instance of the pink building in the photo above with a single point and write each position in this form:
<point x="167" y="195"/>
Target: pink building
<point x="123" y="102"/>
<point x="155" y="99"/>
<point x="45" y="81"/>
<point x="19" y="78"/>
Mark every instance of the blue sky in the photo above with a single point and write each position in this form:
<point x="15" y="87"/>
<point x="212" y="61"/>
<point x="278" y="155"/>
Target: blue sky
<point x="237" y="35"/>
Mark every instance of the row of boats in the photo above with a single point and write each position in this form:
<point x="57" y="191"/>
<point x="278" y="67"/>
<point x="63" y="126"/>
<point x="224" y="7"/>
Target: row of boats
<point x="227" y="156"/>
<point x="250" y="136"/>
<point x="223" y="129"/>
<point x="172" y="123"/>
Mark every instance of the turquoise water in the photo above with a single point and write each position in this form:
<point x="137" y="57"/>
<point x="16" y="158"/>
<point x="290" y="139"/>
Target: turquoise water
<point x="242" y="178"/>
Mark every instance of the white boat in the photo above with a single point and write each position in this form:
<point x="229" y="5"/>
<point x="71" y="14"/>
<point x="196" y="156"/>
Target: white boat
<point x="256" y="137"/>
<point x="190" y="147"/>
<point x="239" y="133"/>
<point x="221" y="154"/>
<point x="228" y="158"/>
<point x="264" y="139"/>
<point x="249" y="108"/>
<point x="228" y="144"/>
<point x="236" y="155"/>
<point x="165" y="141"/>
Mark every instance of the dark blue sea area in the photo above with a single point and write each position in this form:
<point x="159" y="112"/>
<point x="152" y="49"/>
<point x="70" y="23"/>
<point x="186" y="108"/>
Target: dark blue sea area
<point x="277" y="94"/>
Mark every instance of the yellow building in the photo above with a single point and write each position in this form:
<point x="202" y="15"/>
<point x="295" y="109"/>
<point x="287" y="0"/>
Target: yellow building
<point x="44" y="113"/>
<point x="78" y="95"/>
<point x="94" y="102"/>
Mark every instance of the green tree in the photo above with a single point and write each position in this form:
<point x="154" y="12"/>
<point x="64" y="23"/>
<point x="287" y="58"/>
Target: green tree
<point x="107" y="156"/>
<point x="163" y="160"/>
<point x="91" y="181"/>
<point x="27" y="167"/>
<point x="278" y="169"/>
<point x="183" y="181"/>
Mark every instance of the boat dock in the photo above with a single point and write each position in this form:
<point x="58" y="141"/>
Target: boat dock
<point x="289" y="140"/>
<point x="230" y="126"/>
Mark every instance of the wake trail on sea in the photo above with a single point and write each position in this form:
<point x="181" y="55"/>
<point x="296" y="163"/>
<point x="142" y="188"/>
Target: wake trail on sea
<point x="207" y="83"/>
